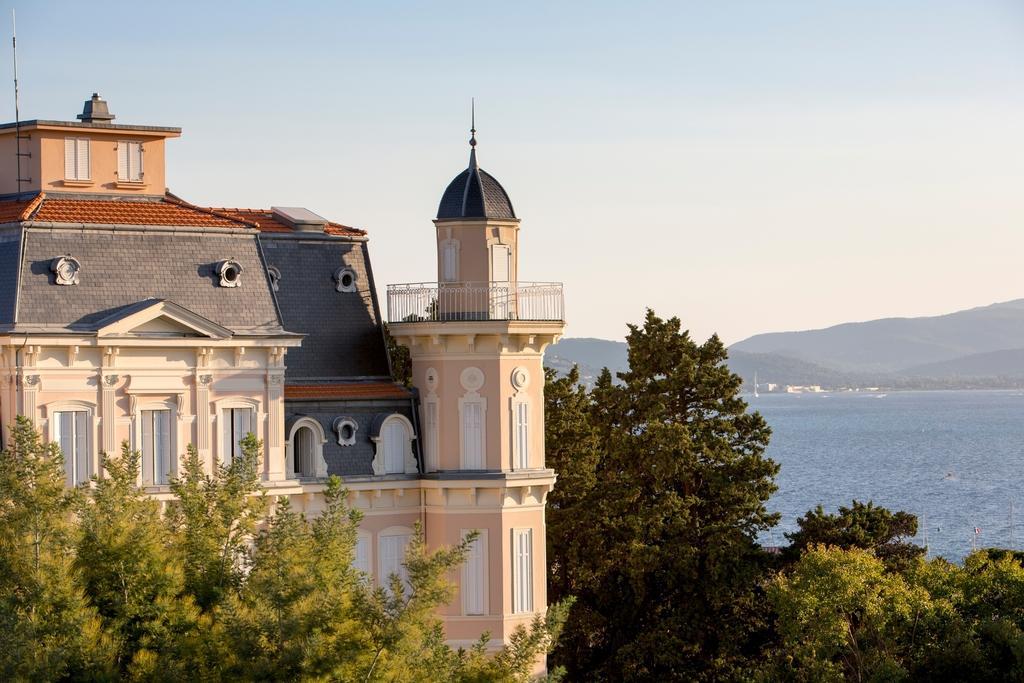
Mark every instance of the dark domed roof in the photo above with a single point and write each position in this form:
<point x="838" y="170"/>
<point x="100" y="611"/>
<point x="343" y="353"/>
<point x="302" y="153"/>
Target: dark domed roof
<point x="475" y="194"/>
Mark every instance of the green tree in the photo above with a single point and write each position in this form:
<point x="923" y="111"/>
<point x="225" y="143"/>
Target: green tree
<point x="214" y="519"/>
<point x="49" y="631"/>
<point x="842" y="616"/>
<point x="862" y="525"/>
<point x="293" y="618"/>
<point x="133" y="575"/>
<point x="572" y="450"/>
<point x="669" y="587"/>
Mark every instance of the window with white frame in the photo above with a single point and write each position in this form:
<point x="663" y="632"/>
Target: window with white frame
<point x="471" y="412"/>
<point x="361" y="561"/>
<point x="71" y="433"/>
<point x="520" y="434"/>
<point x="391" y="548"/>
<point x="394" y="446"/>
<point x="156" y="447"/>
<point x="450" y="260"/>
<point x="474" y="576"/>
<point x="76" y="159"/>
<point x="129" y="161"/>
<point x="522" y="571"/>
<point x="237" y="423"/>
<point x="431" y="421"/>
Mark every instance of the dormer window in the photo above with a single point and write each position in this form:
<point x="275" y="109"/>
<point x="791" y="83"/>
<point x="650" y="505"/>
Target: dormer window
<point x="76" y="159"/>
<point x="129" y="161"/>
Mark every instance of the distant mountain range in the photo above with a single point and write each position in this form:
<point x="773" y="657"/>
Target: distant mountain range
<point x="979" y="347"/>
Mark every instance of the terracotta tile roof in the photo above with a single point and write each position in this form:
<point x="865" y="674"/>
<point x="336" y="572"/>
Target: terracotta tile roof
<point x="266" y="221"/>
<point x="169" y="210"/>
<point x="12" y="210"/>
<point x="350" y="390"/>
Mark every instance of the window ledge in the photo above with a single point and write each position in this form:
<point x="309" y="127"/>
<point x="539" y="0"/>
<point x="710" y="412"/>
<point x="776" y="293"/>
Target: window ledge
<point x="137" y="184"/>
<point x="77" y="183"/>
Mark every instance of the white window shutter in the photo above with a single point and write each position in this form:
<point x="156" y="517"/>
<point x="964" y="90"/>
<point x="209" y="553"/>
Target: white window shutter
<point x="70" y="153"/>
<point x="392" y="558"/>
<point x="474" y="577"/>
<point x="161" y="446"/>
<point x="361" y="561"/>
<point x="472" y="435"/>
<point x="122" y="160"/>
<point x="81" y="446"/>
<point x="148" y="450"/>
<point x="83" y="165"/>
<point x="522" y="570"/>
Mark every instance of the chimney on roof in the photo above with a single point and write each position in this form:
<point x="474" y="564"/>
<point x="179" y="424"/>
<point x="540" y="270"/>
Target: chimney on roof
<point x="95" y="111"/>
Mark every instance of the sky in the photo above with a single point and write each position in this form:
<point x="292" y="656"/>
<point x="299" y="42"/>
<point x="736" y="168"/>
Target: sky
<point x="747" y="166"/>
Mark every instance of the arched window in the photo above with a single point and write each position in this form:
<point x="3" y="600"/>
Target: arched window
<point x="304" y="452"/>
<point x="393" y="435"/>
<point x="305" y="449"/>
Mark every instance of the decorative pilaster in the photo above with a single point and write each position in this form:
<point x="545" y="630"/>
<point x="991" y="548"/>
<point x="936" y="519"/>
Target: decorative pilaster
<point x="108" y="419"/>
<point x="29" y="389"/>
<point x="274" y="467"/>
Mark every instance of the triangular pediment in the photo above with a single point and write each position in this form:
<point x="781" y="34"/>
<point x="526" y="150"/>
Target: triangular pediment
<point x="157" y="318"/>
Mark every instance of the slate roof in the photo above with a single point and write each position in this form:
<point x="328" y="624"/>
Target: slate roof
<point x="343" y="335"/>
<point x="119" y="269"/>
<point x="122" y="266"/>
<point x="475" y="193"/>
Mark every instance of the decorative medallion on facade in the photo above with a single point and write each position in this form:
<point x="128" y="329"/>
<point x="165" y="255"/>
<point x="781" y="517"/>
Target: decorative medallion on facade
<point x="472" y="379"/>
<point x="520" y="378"/>
<point x="230" y="272"/>
<point x="345" y="428"/>
<point x="345" y="279"/>
<point x="66" y="270"/>
<point x="430" y="379"/>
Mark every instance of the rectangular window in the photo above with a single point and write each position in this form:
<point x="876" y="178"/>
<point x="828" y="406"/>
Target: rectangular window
<point x="521" y="435"/>
<point x="474" y="576"/>
<point x="76" y="159"/>
<point x="156" y="447"/>
<point x="361" y="562"/>
<point x="129" y="161"/>
<point x="72" y="435"/>
<point x="450" y="261"/>
<point x="522" y="571"/>
<point x="237" y="423"/>
<point x="431" y="417"/>
<point x="472" y="435"/>
<point x="392" y="558"/>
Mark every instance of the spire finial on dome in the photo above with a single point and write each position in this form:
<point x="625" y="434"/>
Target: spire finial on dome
<point x="472" y="133"/>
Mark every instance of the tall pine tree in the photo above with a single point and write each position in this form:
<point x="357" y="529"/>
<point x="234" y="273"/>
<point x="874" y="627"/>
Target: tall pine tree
<point x="668" y="586"/>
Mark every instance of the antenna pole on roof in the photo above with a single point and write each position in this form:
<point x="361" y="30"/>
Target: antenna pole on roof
<point x="17" y="118"/>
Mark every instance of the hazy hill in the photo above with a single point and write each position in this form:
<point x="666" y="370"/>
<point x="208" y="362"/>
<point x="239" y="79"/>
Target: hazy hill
<point x="1005" y="363"/>
<point x="980" y="347"/>
<point x="893" y="344"/>
<point x="590" y="355"/>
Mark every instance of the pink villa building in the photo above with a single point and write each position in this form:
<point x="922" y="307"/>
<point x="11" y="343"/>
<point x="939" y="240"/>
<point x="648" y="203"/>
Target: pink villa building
<point x="128" y="313"/>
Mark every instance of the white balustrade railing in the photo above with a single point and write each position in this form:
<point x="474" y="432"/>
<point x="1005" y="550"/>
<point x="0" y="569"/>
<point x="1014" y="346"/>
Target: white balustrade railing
<point x="461" y="301"/>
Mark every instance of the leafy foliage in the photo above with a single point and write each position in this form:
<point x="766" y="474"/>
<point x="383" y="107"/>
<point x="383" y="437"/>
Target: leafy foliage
<point x="96" y="585"/>
<point x="862" y="525"/>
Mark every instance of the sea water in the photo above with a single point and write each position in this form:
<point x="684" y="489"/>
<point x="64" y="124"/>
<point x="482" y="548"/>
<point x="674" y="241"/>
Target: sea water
<point x="953" y="458"/>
